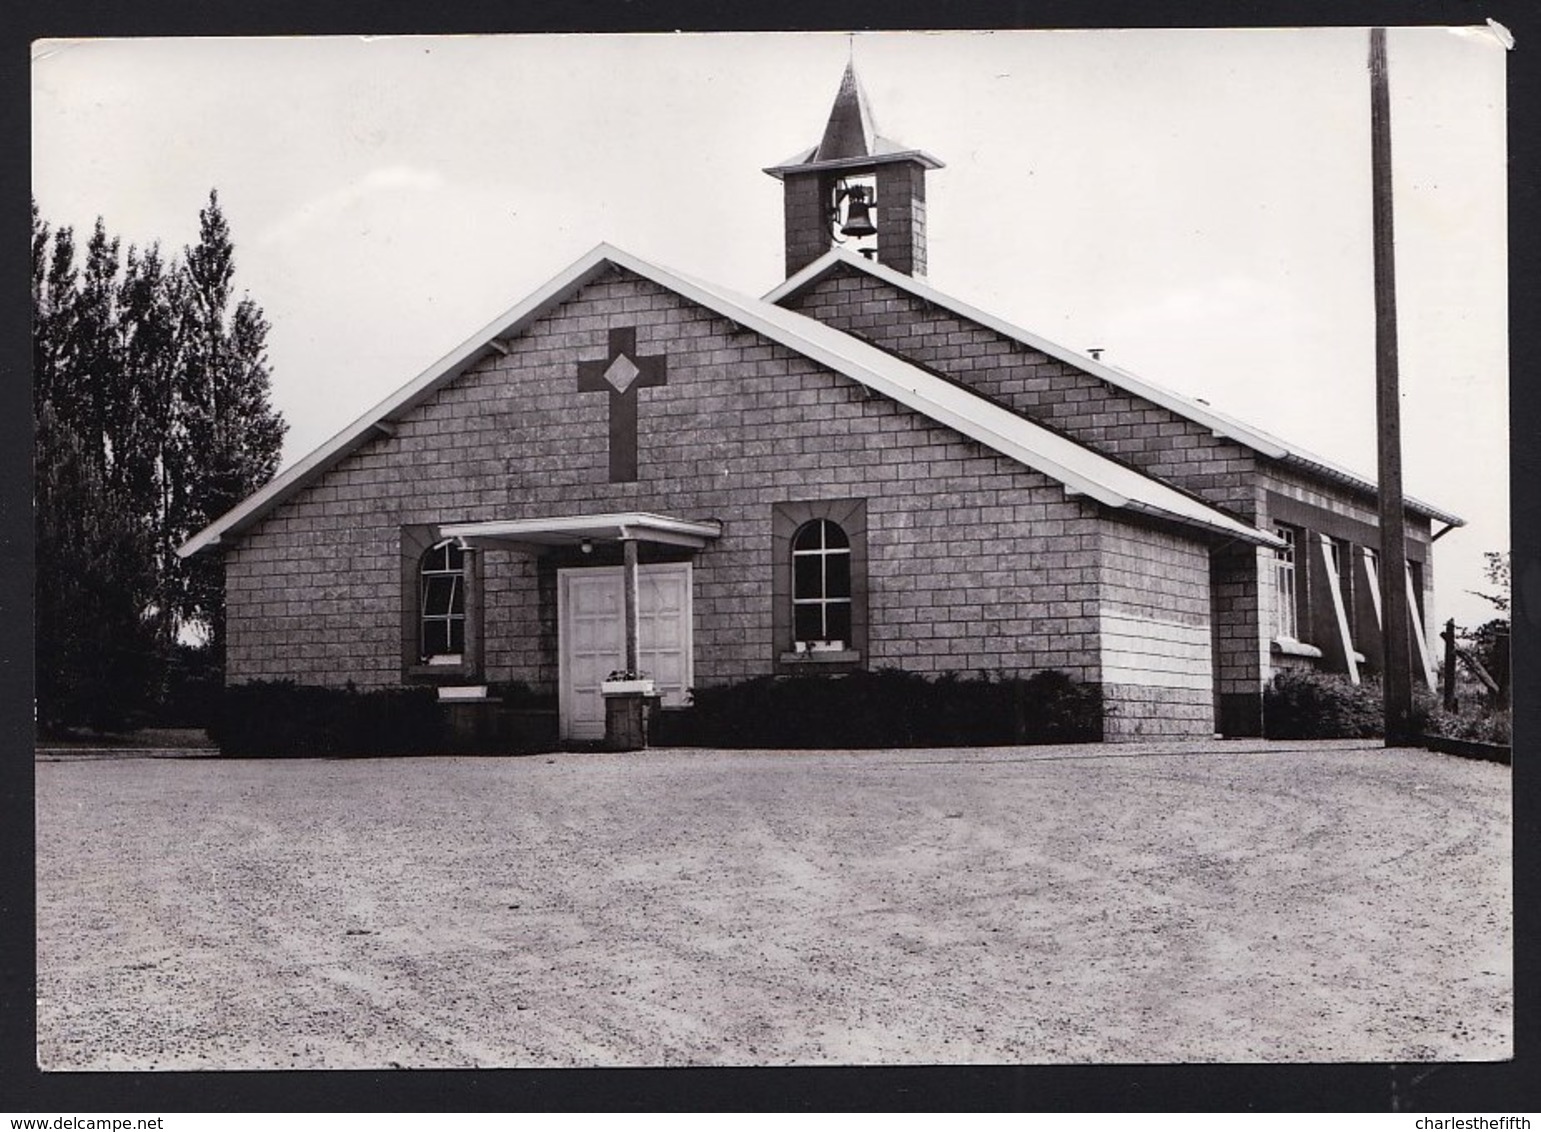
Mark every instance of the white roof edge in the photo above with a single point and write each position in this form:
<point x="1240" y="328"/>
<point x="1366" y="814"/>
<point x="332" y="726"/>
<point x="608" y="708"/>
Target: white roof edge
<point x="1220" y="423"/>
<point x="986" y="422"/>
<point x="1263" y="443"/>
<point x="341" y="443"/>
<point x="889" y="154"/>
<point x="989" y="424"/>
<point x="643" y="520"/>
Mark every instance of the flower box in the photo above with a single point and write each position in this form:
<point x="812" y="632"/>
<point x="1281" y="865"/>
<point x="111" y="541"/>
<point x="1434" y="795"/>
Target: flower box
<point x="641" y="687"/>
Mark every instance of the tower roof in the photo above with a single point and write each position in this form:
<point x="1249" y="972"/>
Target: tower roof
<point x="851" y="139"/>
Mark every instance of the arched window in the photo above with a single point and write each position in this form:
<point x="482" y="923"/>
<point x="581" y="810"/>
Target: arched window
<point x="821" y="584"/>
<point x="442" y="602"/>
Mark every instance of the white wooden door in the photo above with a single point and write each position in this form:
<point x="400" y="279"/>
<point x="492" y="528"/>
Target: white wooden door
<point x="592" y="640"/>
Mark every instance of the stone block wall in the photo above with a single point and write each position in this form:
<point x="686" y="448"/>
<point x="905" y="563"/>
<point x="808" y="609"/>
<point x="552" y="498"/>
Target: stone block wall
<point x="1155" y="616"/>
<point x="974" y="561"/>
<point x="1119" y="424"/>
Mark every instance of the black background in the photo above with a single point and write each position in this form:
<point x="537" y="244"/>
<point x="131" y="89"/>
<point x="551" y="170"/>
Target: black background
<point x="1434" y="1088"/>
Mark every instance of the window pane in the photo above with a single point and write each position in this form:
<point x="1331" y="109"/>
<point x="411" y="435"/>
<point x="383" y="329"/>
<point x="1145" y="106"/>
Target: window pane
<point x="807" y="570"/>
<point x="837" y="621"/>
<point x="1287" y="554"/>
<point x="454" y="557"/>
<point x="457" y="594"/>
<point x="809" y="536"/>
<point x="837" y="575"/>
<point x="834" y="537"/>
<point x="810" y="622"/>
<point x="438" y="595"/>
<point x="457" y="636"/>
<point x="435" y="638"/>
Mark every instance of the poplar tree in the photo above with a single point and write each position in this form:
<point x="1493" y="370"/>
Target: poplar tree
<point x="229" y="437"/>
<point x="152" y="417"/>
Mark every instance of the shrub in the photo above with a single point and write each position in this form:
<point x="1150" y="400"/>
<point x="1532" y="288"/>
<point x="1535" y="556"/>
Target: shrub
<point x="267" y="719"/>
<point x="191" y="689"/>
<point x="1302" y="704"/>
<point x="1477" y="723"/>
<point x="887" y="708"/>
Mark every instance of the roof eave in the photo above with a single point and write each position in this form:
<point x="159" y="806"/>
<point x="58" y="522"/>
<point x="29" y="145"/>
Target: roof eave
<point x="805" y="165"/>
<point x="1218" y="423"/>
<point x="1349" y="479"/>
<point x="295" y="477"/>
<point x="836" y="354"/>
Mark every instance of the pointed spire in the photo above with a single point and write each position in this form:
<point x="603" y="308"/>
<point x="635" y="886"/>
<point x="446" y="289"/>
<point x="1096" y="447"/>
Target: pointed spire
<point x="851" y="137"/>
<point x="851" y="131"/>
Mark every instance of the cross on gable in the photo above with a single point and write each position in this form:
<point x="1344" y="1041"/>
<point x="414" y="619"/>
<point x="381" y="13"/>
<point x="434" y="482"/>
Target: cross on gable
<point x="621" y="374"/>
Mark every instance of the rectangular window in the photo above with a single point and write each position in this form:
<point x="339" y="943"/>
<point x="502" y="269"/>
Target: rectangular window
<point x="1286" y="620"/>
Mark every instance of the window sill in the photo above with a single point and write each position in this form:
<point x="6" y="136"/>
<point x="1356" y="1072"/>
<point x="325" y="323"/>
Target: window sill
<point x="441" y="673"/>
<point x="1288" y="646"/>
<point x="822" y="656"/>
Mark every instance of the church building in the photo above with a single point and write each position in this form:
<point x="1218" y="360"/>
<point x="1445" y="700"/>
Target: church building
<point x="635" y="472"/>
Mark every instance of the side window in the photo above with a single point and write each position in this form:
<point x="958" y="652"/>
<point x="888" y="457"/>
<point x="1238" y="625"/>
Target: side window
<point x="818" y="597"/>
<point x="1286" y="597"/>
<point x="442" y="605"/>
<point x="441" y="608"/>
<point x="821" y="585"/>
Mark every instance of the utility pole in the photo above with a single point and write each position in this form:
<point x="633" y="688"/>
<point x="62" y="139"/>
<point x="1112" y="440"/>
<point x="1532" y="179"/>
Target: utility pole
<point x="1397" y="679"/>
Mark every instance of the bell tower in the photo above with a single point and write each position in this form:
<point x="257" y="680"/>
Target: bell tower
<point x="855" y="188"/>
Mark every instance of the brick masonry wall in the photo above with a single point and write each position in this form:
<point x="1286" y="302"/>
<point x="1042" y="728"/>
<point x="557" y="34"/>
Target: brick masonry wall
<point x="974" y="561"/>
<point x="1122" y="425"/>
<point x="805" y="219"/>
<point x="1046" y="389"/>
<point x="901" y="197"/>
<point x="1157" y="666"/>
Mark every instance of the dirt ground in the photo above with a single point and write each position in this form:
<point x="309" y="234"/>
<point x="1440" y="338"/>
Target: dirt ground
<point x="1201" y="902"/>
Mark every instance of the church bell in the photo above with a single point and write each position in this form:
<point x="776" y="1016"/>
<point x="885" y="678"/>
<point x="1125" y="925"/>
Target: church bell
<point x="858" y="214"/>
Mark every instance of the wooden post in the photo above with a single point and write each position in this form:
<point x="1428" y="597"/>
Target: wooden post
<point x="1449" y="637"/>
<point x="1397" y="679"/>
<point x="629" y="590"/>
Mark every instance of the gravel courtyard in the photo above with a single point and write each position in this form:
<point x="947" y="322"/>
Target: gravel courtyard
<point x="1163" y="902"/>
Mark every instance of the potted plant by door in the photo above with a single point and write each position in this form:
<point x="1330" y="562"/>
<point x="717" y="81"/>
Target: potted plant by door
<point x="630" y="698"/>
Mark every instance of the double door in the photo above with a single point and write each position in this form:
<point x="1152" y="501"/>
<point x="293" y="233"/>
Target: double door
<point x="591" y="635"/>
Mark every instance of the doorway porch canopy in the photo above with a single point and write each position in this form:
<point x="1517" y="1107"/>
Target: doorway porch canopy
<point x="537" y="535"/>
<point x="628" y="527"/>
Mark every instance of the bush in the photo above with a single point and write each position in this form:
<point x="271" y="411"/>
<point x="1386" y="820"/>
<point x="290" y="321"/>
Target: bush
<point x="888" y="708"/>
<point x="1302" y="704"/>
<point x="267" y="719"/>
<point x="1480" y="723"/>
<point x="190" y="690"/>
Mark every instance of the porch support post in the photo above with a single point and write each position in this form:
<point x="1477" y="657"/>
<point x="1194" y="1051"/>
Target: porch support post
<point x="629" y="590"/>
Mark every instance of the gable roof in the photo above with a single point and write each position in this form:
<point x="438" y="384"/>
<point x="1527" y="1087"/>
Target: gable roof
<point x="1081" y="470"/>
<point x="1221" y="424"/>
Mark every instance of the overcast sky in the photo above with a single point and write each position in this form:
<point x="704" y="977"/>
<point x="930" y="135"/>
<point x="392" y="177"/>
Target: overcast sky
<point x="1197" y="203"/>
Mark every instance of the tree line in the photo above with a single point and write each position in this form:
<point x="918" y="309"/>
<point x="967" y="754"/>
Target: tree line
<point x="152" y="417"/>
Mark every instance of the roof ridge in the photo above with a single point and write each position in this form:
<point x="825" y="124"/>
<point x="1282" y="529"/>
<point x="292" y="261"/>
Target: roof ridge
<point x="1047" y="426"/>
<point x="977" y="418"/>
<point x="1201" y="413"/>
